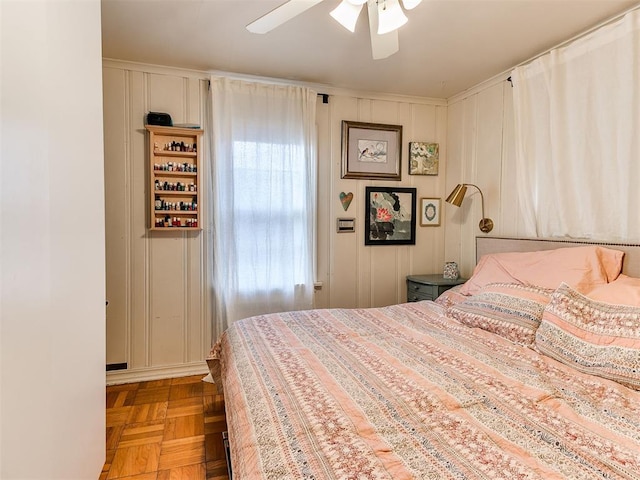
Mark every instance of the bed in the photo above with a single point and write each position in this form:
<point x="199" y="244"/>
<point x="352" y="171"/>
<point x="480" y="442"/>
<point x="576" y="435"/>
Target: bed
<point x="531" y="370"/>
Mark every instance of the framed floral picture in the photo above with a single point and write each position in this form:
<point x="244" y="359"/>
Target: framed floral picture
<point x="390" y="216"/>
<point x="429" y="212"/>
<point x="423" y="158"/>
<point x="371" y="150"/>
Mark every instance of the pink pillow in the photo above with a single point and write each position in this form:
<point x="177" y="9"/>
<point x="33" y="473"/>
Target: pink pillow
<point x="583" y="268"/>
<point x="593" y="337"/>
<point x="623" y="290"/>
<point x="510" y="310"/>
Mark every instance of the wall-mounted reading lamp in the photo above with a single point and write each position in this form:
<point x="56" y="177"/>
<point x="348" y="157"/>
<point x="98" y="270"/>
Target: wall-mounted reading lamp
<point x="456" y="197"/>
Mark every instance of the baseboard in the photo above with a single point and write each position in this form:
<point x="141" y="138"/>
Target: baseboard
<point x="156" y="373"/>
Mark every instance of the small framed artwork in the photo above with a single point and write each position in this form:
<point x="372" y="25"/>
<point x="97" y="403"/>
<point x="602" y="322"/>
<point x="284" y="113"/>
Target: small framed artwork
<point x="423" y="158"/>
<point x="390" y="216"/>
<point x="429" y="212"/>
<point x="371" y="150"/>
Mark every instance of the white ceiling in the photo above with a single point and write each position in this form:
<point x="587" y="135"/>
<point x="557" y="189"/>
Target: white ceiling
<point x="446" y="46"/>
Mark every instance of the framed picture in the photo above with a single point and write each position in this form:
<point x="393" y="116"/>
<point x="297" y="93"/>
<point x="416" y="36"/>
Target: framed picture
<point x="423" y="158"/>
<point x="390" y="216"/>
<point x="371" y="150"/>
<point x="429" y="212"/>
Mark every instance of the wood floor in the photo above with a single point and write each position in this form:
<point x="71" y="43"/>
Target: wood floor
<point x="165" y="430"/>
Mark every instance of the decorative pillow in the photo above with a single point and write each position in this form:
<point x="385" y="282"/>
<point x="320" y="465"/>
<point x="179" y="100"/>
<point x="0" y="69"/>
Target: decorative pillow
<point x="623" y="290"/>
<point x="510" y="310"/>
<point x="594" y="337"/>
<point x="581" y="267"/>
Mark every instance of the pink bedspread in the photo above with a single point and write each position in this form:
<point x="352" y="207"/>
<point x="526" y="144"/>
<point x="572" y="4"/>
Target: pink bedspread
<point x="403" y="392"/>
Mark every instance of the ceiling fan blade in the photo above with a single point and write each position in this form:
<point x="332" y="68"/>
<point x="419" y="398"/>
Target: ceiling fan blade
<point x="382" y="46"/>
<point x="280" y="15"/>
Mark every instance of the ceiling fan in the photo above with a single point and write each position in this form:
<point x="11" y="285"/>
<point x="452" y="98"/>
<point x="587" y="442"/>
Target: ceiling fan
<point x="385" y="17"/>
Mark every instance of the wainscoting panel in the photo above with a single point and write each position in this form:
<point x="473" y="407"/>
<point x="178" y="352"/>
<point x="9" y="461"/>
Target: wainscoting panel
<point x="155" y="281"/>
<point x="481" y="151"/>
<point x="116" y="214"/>
<point x="140" y="245"/>
<point x="367" y="276"/>
<point x="168" y="294"/>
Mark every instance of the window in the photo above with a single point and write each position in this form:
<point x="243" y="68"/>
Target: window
<point x="263" y="198"/>
<point x="269" y="199"/>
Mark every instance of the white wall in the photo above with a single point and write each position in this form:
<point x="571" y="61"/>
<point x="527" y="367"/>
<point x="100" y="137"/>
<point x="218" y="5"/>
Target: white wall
<point x="481" y="150"/>
<point x="52" y="301"/>
<point x="158" y="318"/>
<point x="355" y="275"/>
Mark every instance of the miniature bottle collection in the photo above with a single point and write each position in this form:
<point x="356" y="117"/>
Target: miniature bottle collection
<point x="175" y="167"/>
<point x="174" y="161"/>
<point x="175" y="146"/>
<point x="162" y="204"/>
<point x="176" y="222"/>
<point x="175" y="186"/>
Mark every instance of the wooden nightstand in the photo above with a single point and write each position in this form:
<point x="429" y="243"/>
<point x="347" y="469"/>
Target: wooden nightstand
<point x="429" y="287"/>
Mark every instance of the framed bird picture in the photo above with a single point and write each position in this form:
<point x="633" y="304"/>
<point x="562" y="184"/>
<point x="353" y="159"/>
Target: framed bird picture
<point x="371" y="151"/>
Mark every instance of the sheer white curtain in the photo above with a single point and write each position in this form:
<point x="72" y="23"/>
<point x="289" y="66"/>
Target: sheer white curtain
<point x="577" y="129"/>
<point x="263" y="198"/>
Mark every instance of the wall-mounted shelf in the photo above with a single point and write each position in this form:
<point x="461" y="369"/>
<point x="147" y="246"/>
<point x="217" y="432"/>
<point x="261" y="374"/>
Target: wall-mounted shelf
<point x="174" y="173"/>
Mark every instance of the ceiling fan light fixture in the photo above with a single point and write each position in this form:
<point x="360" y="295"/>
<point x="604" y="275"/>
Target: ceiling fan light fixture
<point x="347" y="13"/>
<point x="410" y="4"/>
<point x="390" y="16"/>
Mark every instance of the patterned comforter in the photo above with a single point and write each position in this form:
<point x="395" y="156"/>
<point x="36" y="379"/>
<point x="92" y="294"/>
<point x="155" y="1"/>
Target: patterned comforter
<point x="403" y="392"/>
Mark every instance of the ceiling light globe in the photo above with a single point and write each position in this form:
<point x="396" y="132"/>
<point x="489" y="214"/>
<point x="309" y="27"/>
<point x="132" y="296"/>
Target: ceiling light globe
<point x="410" y="4"/>
<point x="346" y="14"/>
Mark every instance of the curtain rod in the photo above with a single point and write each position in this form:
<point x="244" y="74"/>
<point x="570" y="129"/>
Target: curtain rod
<point x="325" y="96"/>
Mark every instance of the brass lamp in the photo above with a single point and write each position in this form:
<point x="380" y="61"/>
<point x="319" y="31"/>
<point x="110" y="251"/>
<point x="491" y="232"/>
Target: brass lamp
<point x="456" y="197"/>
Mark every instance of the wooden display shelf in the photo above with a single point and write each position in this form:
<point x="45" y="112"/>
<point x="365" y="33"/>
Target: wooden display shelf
<point x="175" y="213"/>
<point x="159" y="138"/>
<point x="167" y="173"/>
<point x="174" y="192"/>
<point x="173" y="153"/>
<point x="175" y="229"/>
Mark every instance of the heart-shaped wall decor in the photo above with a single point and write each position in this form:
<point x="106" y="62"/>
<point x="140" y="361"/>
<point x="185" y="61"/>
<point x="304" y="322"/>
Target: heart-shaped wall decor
<point x="345" y="199"/>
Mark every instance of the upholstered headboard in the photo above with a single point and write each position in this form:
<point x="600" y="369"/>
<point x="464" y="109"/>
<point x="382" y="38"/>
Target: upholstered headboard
<point x="485" y="245"/>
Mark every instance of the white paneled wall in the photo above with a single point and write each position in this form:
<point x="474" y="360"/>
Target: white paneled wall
<point x="368" y="276"/>
<point x="481" y="150"/>
<point x="158" y="318"/>
<point x="157" y="314"/>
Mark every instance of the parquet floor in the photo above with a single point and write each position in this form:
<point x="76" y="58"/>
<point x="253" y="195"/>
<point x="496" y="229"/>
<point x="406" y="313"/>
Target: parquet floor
<point x="165" y="430"/>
